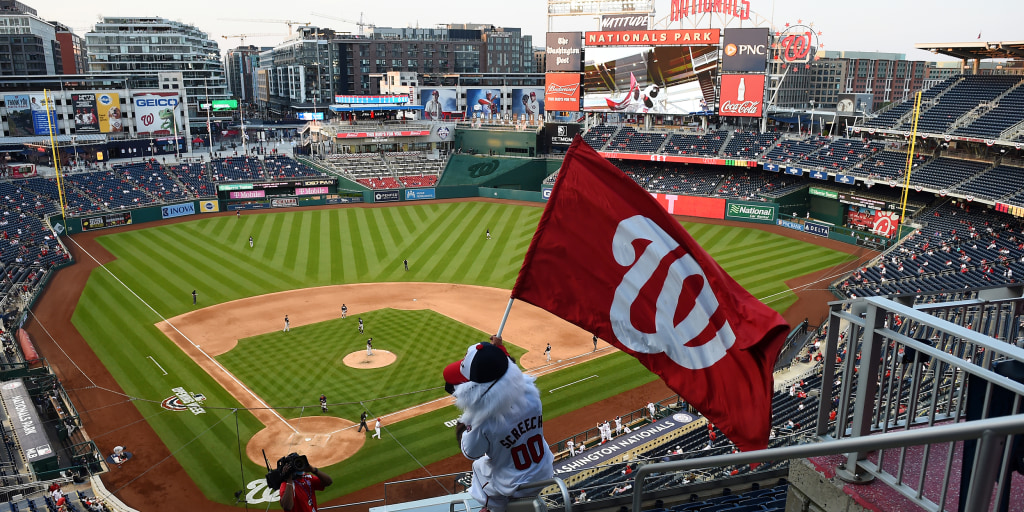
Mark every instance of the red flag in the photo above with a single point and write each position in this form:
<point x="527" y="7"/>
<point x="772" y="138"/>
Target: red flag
<point x="608" y="258"/>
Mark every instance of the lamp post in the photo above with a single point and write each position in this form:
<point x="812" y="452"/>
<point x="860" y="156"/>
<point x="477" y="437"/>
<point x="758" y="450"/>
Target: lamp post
<point x="152" y="149"/>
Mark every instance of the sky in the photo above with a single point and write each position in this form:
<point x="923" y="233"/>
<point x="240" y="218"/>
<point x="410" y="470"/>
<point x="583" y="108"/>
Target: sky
<point x="865" y="25"/>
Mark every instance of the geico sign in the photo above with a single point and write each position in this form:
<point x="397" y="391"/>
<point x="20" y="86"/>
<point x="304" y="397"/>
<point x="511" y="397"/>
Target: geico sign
<point x="745" y="49"/>
<point x="156" y="102"/>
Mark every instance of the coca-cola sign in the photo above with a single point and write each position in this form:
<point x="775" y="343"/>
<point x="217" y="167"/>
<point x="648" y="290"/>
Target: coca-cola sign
<point x="741" y="96"/>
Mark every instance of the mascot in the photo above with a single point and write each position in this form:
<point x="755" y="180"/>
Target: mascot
<point x="501" y="428"/>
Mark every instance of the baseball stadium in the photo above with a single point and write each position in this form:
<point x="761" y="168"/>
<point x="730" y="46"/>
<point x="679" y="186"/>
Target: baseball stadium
<point x="172" y="328"/>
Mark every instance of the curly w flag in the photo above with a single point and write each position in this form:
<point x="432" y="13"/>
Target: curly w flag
<point x="608" y="258"/>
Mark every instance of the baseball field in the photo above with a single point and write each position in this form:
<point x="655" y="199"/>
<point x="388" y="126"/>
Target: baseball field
<point x="219" y="380"/>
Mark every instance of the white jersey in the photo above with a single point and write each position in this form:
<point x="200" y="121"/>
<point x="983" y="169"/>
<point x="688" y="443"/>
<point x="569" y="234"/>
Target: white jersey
<point x="508" y="455"/>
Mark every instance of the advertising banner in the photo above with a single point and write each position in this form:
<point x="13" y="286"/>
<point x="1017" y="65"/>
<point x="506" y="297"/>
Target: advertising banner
<point x="107" y="221"/>
<point x="309" y="191"/>
<point x="40" y="126"/>
<point x="564" y="52"/>
<point x="707" y="36"/>
<point x="624" y="444"/>
<point x="790" y="224"/>
<point x="283" y="202"/>
<point x="417" y="194"/>
<point x="545" y="192"/>
<point x="617" y="22"/>
<point x="86" y="115"/>
<point x="155" y="112"/>
<point x="874" y="204"/>
<point x="386" y="196"/>
<point x="745" y="49"/>
<point x="108" y="111"/>
<point x="815" y="228"/>
<point x="846" y="178"/>
<point x="795" y="171"/>
<point x="885" y="223"/>
<point x="177" y="210"/>
<point x="25" y="421"/>
<point x="310" y="116"/>
<point x="820" y="192"/>
<point x="247" y="194"/>
<point x="741" y="95"/>
<point x="561" y="134"/>
<point x="528" y="102"/>
<point x="382" y="135"/>
<point x="751" y="211"/>
<point x="562" y="91"/>
<point x="703" y="207"/>
<point x="678" y="159"/>
<point x="437" y="102"/>
<point x="483" y="102"/>
<point x="209" y="206"/>
<point x="19" y="117"/>
<point x="819" y="175"/>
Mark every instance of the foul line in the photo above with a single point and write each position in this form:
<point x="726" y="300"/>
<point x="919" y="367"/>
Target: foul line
<point x="186" y="338"/>
<point x="157" y="364"/>
<point x="571" y="383"/>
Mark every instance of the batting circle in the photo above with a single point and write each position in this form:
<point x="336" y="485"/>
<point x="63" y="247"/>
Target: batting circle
<point x="360" y="360"/>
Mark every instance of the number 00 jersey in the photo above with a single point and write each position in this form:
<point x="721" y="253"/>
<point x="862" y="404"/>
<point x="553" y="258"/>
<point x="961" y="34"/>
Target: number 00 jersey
<point x="516" y="452"/>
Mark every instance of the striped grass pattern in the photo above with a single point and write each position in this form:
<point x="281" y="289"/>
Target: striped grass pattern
<point x="444" y="242"/>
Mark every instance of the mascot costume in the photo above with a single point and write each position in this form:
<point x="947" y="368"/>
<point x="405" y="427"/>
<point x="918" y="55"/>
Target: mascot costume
<point x="501" y="428"/>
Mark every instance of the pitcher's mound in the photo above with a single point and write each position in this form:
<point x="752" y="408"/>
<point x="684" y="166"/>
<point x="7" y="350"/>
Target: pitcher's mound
<point x="379" y="359"/>
<point x="325" y="440"/>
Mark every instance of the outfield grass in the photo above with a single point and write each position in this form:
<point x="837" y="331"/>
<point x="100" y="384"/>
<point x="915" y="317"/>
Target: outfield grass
<point x="444" y="242"/>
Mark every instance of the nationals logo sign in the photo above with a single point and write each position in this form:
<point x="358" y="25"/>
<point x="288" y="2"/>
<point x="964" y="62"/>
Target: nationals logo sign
<point x="886" y="223"/>
<point x="742" y="96"/>
<point x="796" y="45"/>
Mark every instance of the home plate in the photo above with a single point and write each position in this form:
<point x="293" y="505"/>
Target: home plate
<point x="307" y="440"/>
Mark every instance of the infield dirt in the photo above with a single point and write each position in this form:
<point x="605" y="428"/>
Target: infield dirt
<point x="155" y="481"/>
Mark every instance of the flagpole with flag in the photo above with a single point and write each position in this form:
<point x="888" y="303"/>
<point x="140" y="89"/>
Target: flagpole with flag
<point x="608" y="258"/>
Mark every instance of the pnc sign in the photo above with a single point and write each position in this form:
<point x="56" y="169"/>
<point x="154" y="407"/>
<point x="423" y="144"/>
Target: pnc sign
<point x="745" y="50"/>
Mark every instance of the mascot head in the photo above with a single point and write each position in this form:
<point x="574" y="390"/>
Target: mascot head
<point x="485" y="382"/>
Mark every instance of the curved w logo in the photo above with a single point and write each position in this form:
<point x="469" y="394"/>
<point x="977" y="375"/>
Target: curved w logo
<point x="483" y="169"/>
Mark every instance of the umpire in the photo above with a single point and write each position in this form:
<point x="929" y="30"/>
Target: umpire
<point x="362" y="422"/>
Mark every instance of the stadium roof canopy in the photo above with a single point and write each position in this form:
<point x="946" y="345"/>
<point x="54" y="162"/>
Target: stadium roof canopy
<point x="977" y="50"/>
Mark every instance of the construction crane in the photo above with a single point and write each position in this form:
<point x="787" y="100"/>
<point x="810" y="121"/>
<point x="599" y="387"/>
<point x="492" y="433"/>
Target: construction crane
<point x="242" y="37"/>
<point x="361" y="24"/>
<point x="290" y="23"/>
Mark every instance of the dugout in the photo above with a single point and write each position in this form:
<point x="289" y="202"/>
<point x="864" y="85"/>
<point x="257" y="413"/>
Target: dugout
<point x="37" y="451"/>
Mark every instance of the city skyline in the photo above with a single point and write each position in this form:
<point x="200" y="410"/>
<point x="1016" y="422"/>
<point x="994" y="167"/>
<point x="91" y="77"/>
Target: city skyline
<point x="884" y="27"/>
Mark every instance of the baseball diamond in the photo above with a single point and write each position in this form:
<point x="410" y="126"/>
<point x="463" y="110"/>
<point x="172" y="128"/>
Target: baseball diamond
<point x="231" y="350"/>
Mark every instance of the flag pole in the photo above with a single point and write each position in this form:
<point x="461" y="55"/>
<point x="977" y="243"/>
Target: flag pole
<point x="504" y="319"/>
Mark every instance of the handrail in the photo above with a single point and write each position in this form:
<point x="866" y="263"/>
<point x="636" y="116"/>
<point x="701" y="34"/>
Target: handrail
<point x="985" y="429"/>
<point x="552" y="481"/>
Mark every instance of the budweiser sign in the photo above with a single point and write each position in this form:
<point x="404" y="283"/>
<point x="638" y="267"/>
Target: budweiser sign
<point x="562" y="91"/>
<point x="742" y="95"/>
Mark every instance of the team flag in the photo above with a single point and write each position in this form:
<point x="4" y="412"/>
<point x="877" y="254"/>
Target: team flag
<point x="608" y="258"/>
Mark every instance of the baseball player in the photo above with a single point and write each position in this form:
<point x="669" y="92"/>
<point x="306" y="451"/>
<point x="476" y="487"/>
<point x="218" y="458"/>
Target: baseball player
<point x="501" y="427"/>
<point x="600" y="429"/>
<point x="595" y="343"/>
<point x="488" y="234"/>
<point x="650" y="407"/>
<point x="406" y="262"/>
<point x="547" y="352"/>
<point x="323" y="402"/>
<point x="376" y="429"/>
<point x="238" y="214"/>
<point x="618" y="425"/>
<point x="369" y="349"/>
<point x="344" y="311"/>
<point x="362" y="422"/>
<point x="286" y="328"/>
<point x="607" y="430"/>
<point x="250" y="241"/>
<point x="194" y="297"/>
<point x="572" y="447"/>
<point x="360" y="325"/>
